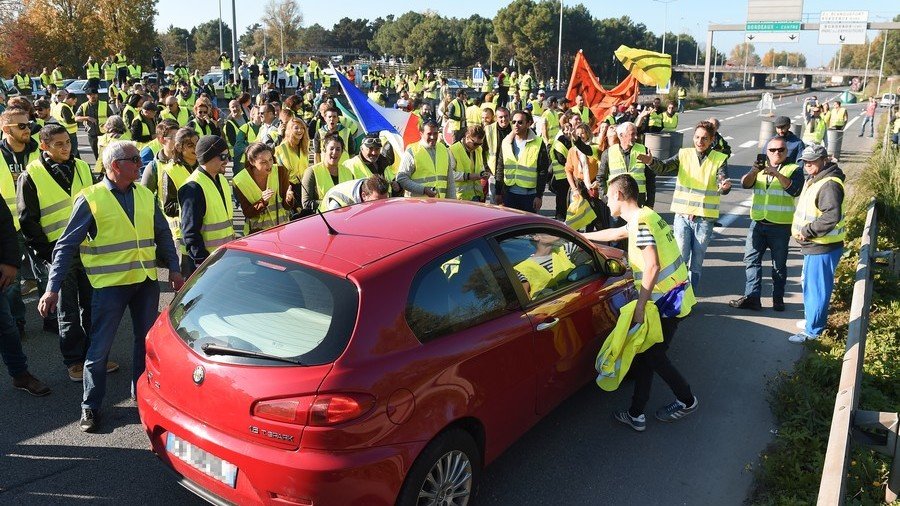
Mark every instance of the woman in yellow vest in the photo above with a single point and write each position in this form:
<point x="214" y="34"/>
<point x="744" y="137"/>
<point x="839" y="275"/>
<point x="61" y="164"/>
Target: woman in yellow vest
<point x="292" y="153"/>
<point x="661" y="278"/>
<point x="115" y="130"/>
<point x="320" y="177"/>
<point x="263" y="193"/>
<point x="170" y="177"/>
<point x="471" y="164"/>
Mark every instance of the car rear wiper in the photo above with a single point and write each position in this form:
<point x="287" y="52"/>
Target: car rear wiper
<point x="215" y="349"/>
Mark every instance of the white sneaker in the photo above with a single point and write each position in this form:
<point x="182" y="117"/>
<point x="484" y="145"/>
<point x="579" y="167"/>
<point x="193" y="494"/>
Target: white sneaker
<point x="802" y="337"/>
<point x="801" y="324"/>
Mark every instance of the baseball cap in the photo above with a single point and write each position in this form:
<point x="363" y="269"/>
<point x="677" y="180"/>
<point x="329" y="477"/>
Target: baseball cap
<point x="782" y="121"/>
<point x="813" y="152"/>
<point x="541" y="92"/>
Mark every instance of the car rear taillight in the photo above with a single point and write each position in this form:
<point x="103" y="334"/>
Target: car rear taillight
<point x="322" y="410"/>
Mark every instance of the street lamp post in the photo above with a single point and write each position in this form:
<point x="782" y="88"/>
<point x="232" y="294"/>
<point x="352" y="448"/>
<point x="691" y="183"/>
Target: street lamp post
<point x="559" y="50"/>
<point x="221" y="38"/>
<point x="187" y="52"/>
<point x="868" y="54"/>
<point x="281" y="34"/>
<point x="665" y="21"/>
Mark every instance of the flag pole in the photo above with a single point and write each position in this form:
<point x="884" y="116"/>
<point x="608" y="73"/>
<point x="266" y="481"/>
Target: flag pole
<point x="559" y="50"/>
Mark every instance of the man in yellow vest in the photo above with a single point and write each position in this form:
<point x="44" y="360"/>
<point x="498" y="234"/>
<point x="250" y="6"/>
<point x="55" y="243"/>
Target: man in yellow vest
<point x="121" y="62"/>
<point x="523" y="166"/>
<point x="426" y="169"/>
<point x="818" y="226"/>
<point x="682" y="95"/>
<point x="583" y="111"/>
<point x="836" y="117"/>
<point x="45" y="194"/>
<point x="702" y="178"/>
<point x="206" y="202"/>
<point x="225" y="64"/>
<point x="175" y="112"/>
<point x="375" y="158"/>
<point x="669" y="118"/>
<point x="120" y="231"/>
<point x="661" y="278"/>
<point x="456" y="115"/>
<point x="65" y="116"/>
<point x="92" y="114"/>
<point x="92" y="72"/>
<point x="775" y="184"/>
<point x="22" y="82"/>
<point x="356" y="191"/>
<point x="622" y="158"/>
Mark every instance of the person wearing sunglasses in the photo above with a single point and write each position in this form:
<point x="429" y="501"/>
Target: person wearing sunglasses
<point x="203" y="121"/>
<point x="120" y="232"/>
<point x="522" y="167"/>
<point x="776" y="182"/>
<point x="206" y="202"/>
<point x="794" y="144"/>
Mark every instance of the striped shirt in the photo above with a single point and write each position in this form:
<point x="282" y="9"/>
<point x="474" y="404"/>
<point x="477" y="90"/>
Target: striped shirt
<point x="546" y="261"/>
<point x="644" y="236"/>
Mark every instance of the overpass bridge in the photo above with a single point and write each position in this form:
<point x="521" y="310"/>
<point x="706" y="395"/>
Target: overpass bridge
<point x="758" y="74"/>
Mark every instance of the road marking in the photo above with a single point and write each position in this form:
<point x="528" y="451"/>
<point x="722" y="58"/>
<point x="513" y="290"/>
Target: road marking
<point x="728" y="138"/>
<point x="748" y="144"/>
<point x="728" y="118"/>
<point x="852" y="121"/>
<point x="730" y="218"/>
<point x="684" y="130"/>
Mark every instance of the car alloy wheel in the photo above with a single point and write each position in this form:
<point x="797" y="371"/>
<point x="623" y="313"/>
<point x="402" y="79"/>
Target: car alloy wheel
<point x="449" y="482"/>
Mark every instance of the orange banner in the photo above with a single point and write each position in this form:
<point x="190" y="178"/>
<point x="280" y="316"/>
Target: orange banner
<point x="601" y="101"/>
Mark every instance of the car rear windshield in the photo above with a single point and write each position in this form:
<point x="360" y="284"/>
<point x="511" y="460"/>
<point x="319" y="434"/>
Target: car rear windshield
<point x="265" y="306"/>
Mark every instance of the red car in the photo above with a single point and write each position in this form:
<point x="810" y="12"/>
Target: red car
<point x="383" y="357"/>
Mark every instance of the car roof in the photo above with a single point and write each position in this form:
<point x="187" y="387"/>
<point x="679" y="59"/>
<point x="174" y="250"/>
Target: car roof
<point x="371" y="231"/>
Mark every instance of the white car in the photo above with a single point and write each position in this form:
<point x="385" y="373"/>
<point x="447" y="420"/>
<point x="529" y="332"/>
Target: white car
<point x="888" y="100"/>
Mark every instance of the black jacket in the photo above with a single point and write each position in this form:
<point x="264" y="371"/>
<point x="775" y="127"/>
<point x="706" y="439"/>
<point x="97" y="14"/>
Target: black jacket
<point x="9" y="243"/>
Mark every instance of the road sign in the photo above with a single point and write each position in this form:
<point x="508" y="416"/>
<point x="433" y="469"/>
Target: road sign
<point x="477" y="75"/>
<point x="773" y="21"/>
<point x="843" y="27"/>
<point x="782" y="37"/>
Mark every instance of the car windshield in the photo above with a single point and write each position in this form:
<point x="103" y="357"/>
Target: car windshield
<point x="268" y="306"/>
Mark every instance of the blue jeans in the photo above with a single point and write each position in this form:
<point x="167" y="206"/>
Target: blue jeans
<point x="519" y="201"/>
<point x="10" y="344"/>
<point x="109" y="305"/>
<point x="680" y="105"/>
<point x="74" y="315"/>
<point x="868" y="120"/>
<point x="775" y="238"/>
<point x="818" y="281"/>
<point x="692" y="234"/>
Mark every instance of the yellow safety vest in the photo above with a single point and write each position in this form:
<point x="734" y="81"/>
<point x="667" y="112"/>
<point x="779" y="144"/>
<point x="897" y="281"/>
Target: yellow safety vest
<point x="814" y="135"/>
<point x="295" y="163"/>
<point x="121" y="61"/>
<point x="357" y="167"/>
<point x="22" y="82"/>
<point x="273" y="215"/>
<point x="521" y="171"/>
<point x="772" y="203"/>
<point x="56" y="78"/>
<point x="57" y="112"/>
<point x="324" y="181"/>
<point x="539" y="278"/>
<point x="585" y="113"/>
<point x="551" y="119"/>
<point x="559" y="170"/>
<point x="8" y="185"/>
<point x="634" y="168"/>
<point x="473" y="115"/>
<point x="807" y="212"/>
<point x="431" y="173"/>
<point x="93" y="70"/>
<point x="55" y="203"/>
<point x="696" y="187"/>
<point x="179" y="175"/>
<point x="487" y="84"/>
<point x="669" y="123"/>
<point x="837" y="118"/>
<point x="672" y="271"/>
<point x="225" y="63"/>
<point x="188" y="102"/>
<point x="109" y="71"/>
<point x="342" y="194"/>
<point x="468" y="190"/>
<point x="182" y="118"/>
<point x="217" y="228"/>
<point x="655" y="120"/>
<point x="122" y="252"/>
<point x="102" y="113"/>
<point x="537" y="108"/>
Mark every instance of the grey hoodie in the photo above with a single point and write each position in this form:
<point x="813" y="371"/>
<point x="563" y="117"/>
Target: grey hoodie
<point x="829" y="201"/>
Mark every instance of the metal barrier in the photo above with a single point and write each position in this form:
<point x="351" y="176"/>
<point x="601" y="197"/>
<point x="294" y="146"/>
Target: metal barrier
<point x="872" y="429"/>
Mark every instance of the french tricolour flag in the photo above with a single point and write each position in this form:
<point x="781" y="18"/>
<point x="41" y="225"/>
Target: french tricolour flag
<point x="375" y="118"/>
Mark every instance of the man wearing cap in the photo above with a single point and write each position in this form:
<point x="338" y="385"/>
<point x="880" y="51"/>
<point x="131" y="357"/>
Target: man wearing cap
<point x="537" y="104"/>
<point x="818" y="226"/>
<point x="792" y="143"/>
<point x="372" y="160"/>
<point x="93" y="114"/>
<point x="775" y="183"/>
<point x="357" y="191"/>
<point x="206" y="202"/>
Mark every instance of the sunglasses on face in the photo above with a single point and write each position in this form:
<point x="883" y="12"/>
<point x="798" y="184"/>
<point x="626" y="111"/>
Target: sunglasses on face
<point x="517" y="122"/>
<point x="22" y="126"/>
<point x="777" y="150"/>
<point x="224" y="157"/>
<point x="133" y="159"/>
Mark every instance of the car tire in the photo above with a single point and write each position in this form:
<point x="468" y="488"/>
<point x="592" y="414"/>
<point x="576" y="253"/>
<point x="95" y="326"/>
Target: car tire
<point x="454" y="451"/>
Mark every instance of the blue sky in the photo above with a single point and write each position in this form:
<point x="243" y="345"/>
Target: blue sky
<point x="688" y="16"/>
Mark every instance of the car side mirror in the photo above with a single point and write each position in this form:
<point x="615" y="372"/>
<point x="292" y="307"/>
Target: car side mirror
<point x="614" y="267"/>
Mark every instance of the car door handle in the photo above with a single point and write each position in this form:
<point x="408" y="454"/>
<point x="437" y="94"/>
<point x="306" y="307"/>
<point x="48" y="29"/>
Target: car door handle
<point x="547" y="324"/>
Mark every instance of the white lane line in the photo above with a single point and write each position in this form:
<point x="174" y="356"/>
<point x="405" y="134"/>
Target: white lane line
<point x="748" y="144"/>
<point x="728" y="138"/>
<point x="736" y="212"/>
<point x="852" y="121"/>
<point x="684" y="130"/>
<point x="729" y="118"/>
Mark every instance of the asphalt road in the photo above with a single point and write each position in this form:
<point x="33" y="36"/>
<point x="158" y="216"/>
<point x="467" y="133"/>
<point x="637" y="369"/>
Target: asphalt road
<point x="576" y="455"/>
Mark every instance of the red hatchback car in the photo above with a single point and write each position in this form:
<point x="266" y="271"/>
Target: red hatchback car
<point x="385" y="361"/>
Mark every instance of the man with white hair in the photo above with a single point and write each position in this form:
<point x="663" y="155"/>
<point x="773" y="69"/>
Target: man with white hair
<point x="622" y="158"/>
<point x="120" y="231"/>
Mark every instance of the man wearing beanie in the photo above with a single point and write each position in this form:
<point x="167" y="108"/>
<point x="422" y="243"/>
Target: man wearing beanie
<point x="793" y="144"/>
<point x="206" y="203"/>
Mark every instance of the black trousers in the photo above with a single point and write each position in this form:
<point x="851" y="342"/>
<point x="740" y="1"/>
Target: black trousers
<point x="504" y="96"/>
<point x="655" y="360"/>
<point x="92" y="140"/>
<point x="560" y="188"/>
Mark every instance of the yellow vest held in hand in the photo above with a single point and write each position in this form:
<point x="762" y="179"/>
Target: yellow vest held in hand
<point x="624" y="343"/>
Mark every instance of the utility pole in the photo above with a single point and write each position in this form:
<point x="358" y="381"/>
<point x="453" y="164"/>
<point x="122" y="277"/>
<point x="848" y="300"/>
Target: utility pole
<point x="665" y="21"/>
<point x="886" y="33"/>
<point x="234" y="47"/>
<point x="866" y="75"/>
<point x="559" y="50"/>
<point x="187" y="53"/>
<point x="746" y="55"/>
<point x="221" y="38"/>
<point x="677" y="46"/>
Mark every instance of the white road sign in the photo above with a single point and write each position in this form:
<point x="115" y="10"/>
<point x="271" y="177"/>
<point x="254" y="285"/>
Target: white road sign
<point x="843" y="27"/>
<point x="781" y="37"/>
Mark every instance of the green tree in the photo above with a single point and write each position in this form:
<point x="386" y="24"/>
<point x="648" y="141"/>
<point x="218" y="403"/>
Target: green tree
<point x="392" y="37"/>
<point x="744" y="51"/>
<point x="352" y="33"/>
<point x="527" y="31"/>
<point x="315" y="37"/>
<point x="434" y="42"/>
<point x="247" y="42"/>
<point x="206" y="35"/>
<point x="476" y="36"/>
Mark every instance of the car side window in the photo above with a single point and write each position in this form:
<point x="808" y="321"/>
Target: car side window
<point x="457" y="291"/>
<point x="546" y="262"/>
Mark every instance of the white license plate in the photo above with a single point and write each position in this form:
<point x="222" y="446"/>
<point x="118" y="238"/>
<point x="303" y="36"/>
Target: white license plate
<point x="202" y="460"/>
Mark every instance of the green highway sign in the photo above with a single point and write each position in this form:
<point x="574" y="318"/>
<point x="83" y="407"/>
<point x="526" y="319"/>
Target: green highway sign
<point x="773" y="26"/>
